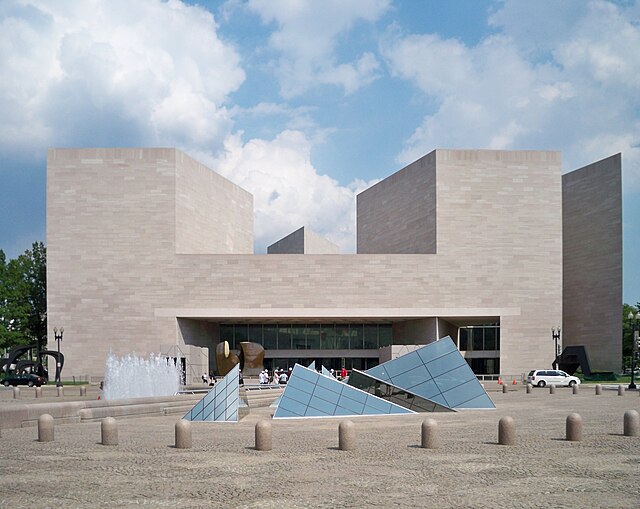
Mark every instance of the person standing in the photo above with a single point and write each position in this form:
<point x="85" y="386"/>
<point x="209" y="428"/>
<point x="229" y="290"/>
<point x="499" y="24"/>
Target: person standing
<point x="343" y="372"/>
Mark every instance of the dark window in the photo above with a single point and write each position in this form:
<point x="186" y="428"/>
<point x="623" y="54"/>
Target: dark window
<point x="241" y="333"/>
<point x="490" y="338"/>
<point x="464" y="339"/>
<point x="370" y="336"/>
<point x="385" y="336"/>
<point x="313" y="337"/>
<point x="298" y="338"/>
<point x="328" y="337"/>
<point x="478" y="334"/>
<point x="255" y="334"/>
<point x="342" y="337"/>
<point x="270" y="337"/>
<point x="284" y="337"/>
<point x="356" y="340"/>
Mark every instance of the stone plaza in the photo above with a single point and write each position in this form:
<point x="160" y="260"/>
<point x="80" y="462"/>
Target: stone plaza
<point x="305" y="469"/>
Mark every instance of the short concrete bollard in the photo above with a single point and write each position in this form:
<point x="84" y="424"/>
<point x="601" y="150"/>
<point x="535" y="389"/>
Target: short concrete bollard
<point x="263" y="435"/>
<point x="631" y="423"/>
<point x="83" y="390"/>
<point x="598" y="389"/>
<point x="346" y="436"/>
<point x="620" y="390"/>
<point x="38" y="392"/>
<point x="183" y="434"/>
<point x="504" y="389"/>
<point x="16" y="393"/>
<point x="507" y="431"/>
<point x="45" y="428"/>
<point x="60" y="391"/>
<point x="429" y="434"/>
<point x="574" y="427"/>
<point x="576" y="389"/>
<point x="552" y="389"/>
<point x="529" y="387"/>
<point x="109" y="431"/>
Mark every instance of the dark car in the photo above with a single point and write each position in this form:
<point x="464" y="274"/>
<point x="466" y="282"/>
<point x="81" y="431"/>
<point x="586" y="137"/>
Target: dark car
<point x="24" y="379"/>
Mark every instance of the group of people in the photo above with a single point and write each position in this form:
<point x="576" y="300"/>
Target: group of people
<point x="278" y="377"/>
<point x="209" y="379"/>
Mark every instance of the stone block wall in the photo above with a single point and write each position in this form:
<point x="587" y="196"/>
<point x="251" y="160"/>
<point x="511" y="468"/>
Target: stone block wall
<point x="592" y="276"/>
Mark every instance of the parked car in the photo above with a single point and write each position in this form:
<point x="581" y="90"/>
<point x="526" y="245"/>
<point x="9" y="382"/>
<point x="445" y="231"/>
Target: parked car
<point x="542" y="377"/>
<point x="23" y="379"/>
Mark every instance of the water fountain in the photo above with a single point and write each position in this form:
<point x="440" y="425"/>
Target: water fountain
<point x="136" y="377"/>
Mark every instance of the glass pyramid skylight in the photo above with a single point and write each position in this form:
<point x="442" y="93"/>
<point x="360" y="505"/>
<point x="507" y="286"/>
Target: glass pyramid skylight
<point x="222" y="402"/>
<point x="311" y="394"/>
<point x="394" y="394"/>
<point x="436" y="372"/>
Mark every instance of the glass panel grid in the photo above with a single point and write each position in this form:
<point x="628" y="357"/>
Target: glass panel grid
<point x="329" y="398"/>
<point x="220" y="403"/>
<point x="442" y="368"/>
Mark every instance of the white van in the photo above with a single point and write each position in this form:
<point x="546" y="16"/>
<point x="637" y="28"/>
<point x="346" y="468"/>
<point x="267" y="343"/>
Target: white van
<point x="542" y="377"/>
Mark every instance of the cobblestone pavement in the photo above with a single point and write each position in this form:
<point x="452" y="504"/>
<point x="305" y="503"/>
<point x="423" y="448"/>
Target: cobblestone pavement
<point x="306" y="470"/>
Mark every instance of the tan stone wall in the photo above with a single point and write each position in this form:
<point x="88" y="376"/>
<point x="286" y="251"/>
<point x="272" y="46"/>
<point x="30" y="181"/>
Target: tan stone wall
<point x="317" y="244"/>
<point x="592" y="301"/>
<point x="290" y="244"/>
<point x="398" y="214"/>
<point x="500" y="229"/>
<point x="213" y="215"/>
<point x="303" y="241"/>
<point x="111" y="242"/>
<point x="499" y="247"/>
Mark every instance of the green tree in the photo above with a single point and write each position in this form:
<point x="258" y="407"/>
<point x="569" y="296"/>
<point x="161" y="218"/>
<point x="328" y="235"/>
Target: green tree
<point x="23" y="298"/>
<point x="627" y="331"/>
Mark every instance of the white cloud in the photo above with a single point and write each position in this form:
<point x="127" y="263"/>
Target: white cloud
<point x="113" y="73"/>
<point x="575" y="88"/>
<point x="288" y="191"/>
<point x="306" y="38"/>
<point x="144" y="72"/>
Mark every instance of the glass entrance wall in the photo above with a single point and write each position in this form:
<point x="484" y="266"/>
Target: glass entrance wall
<point x="335" y="363"/>
<point x="356" y="336"/>
<point x="477" y="338"/>
<point x="479" y="344"/>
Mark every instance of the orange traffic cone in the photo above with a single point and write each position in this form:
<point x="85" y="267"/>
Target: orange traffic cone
<point x="499" y="381"/>
<point x="514" y="382"/>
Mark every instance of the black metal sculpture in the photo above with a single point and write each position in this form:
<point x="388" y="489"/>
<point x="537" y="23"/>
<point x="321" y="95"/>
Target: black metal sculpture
<point x="13" y="364"/>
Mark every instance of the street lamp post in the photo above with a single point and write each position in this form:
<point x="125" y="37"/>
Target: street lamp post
<point x="555" y="336"/>
<point x="634" y="355"/>
<point x="58" y="336"/>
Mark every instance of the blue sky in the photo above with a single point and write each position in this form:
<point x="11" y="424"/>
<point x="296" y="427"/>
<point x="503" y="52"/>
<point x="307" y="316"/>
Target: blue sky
<point x="306" y="102"/>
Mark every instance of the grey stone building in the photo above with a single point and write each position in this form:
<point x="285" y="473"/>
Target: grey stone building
<point x="150" y="251"/>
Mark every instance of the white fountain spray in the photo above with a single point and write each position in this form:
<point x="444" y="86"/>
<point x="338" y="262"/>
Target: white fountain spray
<point x="135" y="377"/>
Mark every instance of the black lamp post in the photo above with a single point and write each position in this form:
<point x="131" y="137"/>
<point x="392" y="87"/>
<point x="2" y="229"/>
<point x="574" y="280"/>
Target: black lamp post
<point x="58" y="335"/>
<point x="555" y="335"/>
<point x="636" y="340"/>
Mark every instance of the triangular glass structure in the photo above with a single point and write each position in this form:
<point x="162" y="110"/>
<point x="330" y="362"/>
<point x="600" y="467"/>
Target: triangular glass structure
<point x="394" y="394"/>
<point x="312" y="365"/>
<point x="326" y="372"/>
<point x="222" y="402"/>
<point x="436" y="372"/>
<point x="310" y="394"/>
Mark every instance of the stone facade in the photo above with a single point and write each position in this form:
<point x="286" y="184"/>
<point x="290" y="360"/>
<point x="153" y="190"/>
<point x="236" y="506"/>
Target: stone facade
<point x="398" y="214"/>
<point x="303" y="241"/>
<point x="592" y="263"/>
<point x="136" y="264"/>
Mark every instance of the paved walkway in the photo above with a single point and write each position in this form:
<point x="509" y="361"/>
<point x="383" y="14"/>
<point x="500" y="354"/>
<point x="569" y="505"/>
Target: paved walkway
<point x="305" y="469"/>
